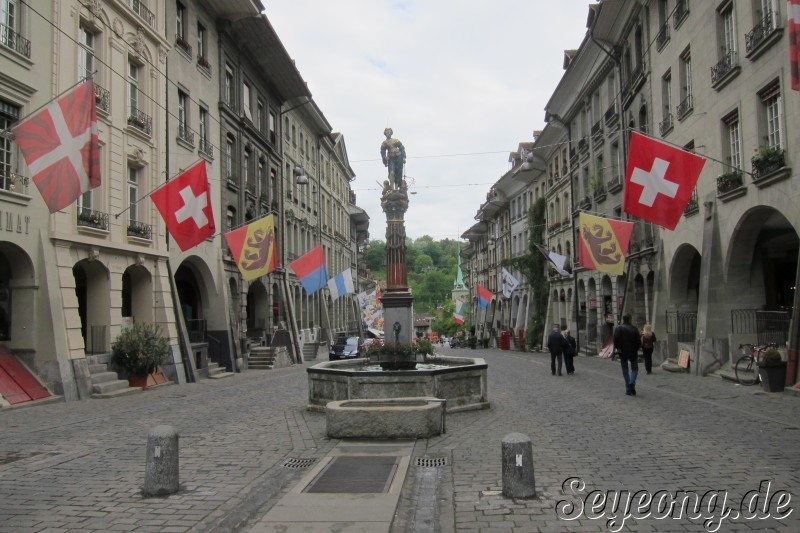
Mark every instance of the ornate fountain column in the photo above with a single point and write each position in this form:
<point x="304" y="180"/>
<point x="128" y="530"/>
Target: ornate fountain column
<point x="397" y="300"/>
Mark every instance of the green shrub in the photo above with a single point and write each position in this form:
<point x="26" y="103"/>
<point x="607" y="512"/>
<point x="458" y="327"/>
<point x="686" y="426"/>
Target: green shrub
<point x="424" y="347"/>
<point x="140" y="349"/>
<point x="771" y="357"/>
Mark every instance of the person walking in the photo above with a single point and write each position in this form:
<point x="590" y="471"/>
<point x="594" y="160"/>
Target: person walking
<point x="555" y="343"/>
<point x="648" y="344"/>
<point x="570" y="349"/>
<point x="627" y="342"/>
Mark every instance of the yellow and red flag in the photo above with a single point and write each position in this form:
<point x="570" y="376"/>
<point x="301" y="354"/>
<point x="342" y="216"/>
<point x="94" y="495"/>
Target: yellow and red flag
<point x="603" y="243"/>
<point x="254" y="248"/>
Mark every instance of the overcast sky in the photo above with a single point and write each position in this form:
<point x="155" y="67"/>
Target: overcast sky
<point x="460" y="83"/>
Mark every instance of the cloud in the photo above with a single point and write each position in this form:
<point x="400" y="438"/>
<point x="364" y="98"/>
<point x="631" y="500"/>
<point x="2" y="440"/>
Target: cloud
<point x="469" y="77"/>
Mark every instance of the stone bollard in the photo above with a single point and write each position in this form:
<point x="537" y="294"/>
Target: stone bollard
<point x="518" y="479"/>
<point x="161" y="470"/>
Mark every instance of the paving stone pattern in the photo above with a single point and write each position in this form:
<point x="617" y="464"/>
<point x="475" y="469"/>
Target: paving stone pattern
<point x="80" y="466"/>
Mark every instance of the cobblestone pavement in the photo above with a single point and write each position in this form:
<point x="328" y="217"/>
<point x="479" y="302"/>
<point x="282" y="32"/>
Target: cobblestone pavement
<point x="79" y="466"/>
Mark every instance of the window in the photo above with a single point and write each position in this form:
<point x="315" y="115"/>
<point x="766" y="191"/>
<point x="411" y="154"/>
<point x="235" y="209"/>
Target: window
<point x="271" y="126"/>
<point x="686" y="104"/>
<point x="230" y="218"/>
<point x="85" y="53"/>
<point x="133" y="194"/>
<point x="201" y="42"/>
<point x="246" y="171"/>
<point x="229" y="158"/>
<point x="728" y="30"/>
<point x="227" y="88"/>
<point x="663" y="25"/>
<point x="183" y="116"/>
<point x="246" y="101"/>
<point x="260" y="115"/>
<point x="294" y="136"/>
<point x="180" y="23"/>
<point x="666" y="93"/>
<point x="772" y="111"/>
<point x="203" y="126"/>
<point x="133" y="88"/>
<point x="734" y="145"/>
<point x="9" y="115"/>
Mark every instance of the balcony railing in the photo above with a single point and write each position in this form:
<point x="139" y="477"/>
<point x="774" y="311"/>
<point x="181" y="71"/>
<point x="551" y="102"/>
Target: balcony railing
<point x="597" y="131"/>
<point x="206" y="147"/>
<point x="682" y="324"/>
<point x="729" y="181"/>
<point x="15" y="41"/>
<point x="693" y="205"/>
<point x="11" y="181"/>
<point x="756" y="36"/>
<point x="684" y="107"/>
<point x="203" y="63"/>
<point x="140" y="9"/>
<point x="665" y="126"/>
<point x="140" y="121"/>
<point x="184" y="45"/>
<point x="185" y="134"/>
<point x="250" y="188"/>
<point x="140" y="230"/>
<point x="92" y="219"/>
<point x="582" y="145"/>
<point x="726" y="64"/>
<point x="615" y="184"/>
<point x="102" y="99"/>
<point x="767" y="162"/>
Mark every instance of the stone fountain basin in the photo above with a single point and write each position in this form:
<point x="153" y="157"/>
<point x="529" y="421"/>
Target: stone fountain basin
<point x="389" y="418"/>
<point x="460" y="380"/>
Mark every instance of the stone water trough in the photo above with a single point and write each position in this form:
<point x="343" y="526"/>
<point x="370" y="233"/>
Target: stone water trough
<point x="461" y="381"/>
<point x="390" y="418"/>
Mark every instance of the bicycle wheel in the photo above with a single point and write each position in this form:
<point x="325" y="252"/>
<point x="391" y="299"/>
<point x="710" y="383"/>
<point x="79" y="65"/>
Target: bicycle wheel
<point x="746" y="370"/>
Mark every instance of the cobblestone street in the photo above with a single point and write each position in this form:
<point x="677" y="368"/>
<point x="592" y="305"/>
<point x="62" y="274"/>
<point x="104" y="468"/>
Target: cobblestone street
<point x="79" y="466"/>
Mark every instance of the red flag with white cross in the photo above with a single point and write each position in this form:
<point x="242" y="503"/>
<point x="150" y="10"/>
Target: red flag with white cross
<point x="659" y="180"/>
<point x="60" y="144"/>
<point x="185" y="204"/>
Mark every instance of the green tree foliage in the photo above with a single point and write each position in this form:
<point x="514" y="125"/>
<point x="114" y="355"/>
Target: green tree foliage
<point x="423" y="263"/>
<point x="375" y="255"/>
<point x="533" y="267"/>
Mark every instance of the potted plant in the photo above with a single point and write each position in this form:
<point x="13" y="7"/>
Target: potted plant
<point x="139" y="350"/>
<point x="772" y="370"/>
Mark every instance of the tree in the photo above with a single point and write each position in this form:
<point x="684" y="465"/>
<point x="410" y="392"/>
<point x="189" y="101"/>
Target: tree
<point x="532" y="265"/>
<point x="375" y="255"/>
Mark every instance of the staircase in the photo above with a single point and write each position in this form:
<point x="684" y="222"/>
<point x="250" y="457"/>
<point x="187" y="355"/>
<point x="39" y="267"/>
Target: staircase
<point x="261" y="358"/>
<point x="217" y="372"/>
<point x="106" y="384"/>
<point x="671" y="365"/>
<point x="310" y="351"/>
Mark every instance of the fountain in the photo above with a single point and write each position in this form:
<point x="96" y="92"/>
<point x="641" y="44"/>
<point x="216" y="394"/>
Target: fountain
<point x="393" y="374"/>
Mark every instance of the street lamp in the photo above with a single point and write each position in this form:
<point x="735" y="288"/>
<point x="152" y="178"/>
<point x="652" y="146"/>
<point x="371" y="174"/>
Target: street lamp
<point x="300" y="173"/>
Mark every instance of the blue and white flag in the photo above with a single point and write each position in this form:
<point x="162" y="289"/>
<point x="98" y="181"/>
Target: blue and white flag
<point x="341" y="284"/>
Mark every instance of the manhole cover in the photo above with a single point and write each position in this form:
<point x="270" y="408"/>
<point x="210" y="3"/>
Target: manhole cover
<point x="355" y="474"/>
<point x="431" y="462"/>
<point x="292" y="462"/>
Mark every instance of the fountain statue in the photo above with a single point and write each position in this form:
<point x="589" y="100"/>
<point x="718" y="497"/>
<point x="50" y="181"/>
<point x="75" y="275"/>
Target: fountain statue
<point x="394" y="372"/>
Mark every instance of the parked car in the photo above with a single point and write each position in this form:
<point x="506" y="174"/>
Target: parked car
<point x="348" y="348"/>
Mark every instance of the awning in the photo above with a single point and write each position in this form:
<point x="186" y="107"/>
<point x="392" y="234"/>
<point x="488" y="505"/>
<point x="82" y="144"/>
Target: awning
<point x="372" y="332"/>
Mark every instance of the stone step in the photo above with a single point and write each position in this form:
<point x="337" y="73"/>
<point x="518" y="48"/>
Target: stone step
<point x="104" y="377"/>
<point x="220" y="375"/>
<point x="109" y="386"/>
<point x="117" y="393"/>
<point x="97" y="368"/>
<point x="671" y="365"/>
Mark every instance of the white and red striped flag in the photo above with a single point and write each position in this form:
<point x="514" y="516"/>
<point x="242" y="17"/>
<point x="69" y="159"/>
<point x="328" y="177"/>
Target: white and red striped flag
<point x="793" y="10"/>
<point x="61" y="147"/>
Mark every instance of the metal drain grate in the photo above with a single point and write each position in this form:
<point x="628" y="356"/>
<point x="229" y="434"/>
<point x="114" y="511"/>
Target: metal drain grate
<point x="431" y="462"/>
<point x="292" y="462"/>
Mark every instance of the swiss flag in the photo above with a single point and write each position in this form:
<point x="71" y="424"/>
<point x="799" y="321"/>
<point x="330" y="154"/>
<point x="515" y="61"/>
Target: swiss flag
<point x="185" y="204"/>
<point x="61" y="147"/>
<point x="659" y="180"/>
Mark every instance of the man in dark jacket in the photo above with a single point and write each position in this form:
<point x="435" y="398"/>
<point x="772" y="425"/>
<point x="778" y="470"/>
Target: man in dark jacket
<point x="555" y="343"/>
<point x="627" y="342"/>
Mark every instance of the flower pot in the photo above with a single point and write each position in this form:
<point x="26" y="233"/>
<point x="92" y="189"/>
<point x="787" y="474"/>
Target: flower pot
<point x="773" y="376"/>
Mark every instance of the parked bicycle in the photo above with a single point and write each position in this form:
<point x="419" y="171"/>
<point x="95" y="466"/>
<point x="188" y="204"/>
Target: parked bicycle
<point x="746" y="367"/>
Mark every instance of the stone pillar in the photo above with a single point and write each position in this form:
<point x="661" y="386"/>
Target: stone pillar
<point x="518" y="478"/>
<point x="161" y="470"/>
